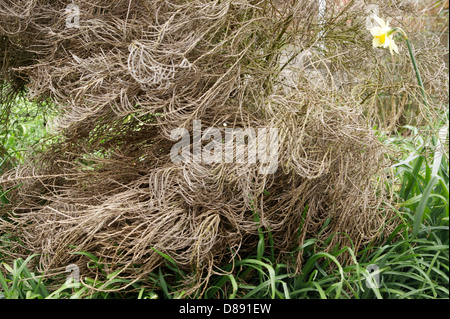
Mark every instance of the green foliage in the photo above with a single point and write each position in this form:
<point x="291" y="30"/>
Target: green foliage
<point x="423" y="189"/>
<point x="20" y="283"/>
<point x="23" y="129"/>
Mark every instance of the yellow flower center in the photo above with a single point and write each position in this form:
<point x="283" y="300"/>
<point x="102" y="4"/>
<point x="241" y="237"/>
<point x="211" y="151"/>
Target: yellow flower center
<point x="381" y="37"/>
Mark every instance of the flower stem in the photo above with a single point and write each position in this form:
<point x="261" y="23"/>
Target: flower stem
<point x="413" y="59"/>
<point x="416" y="69"/>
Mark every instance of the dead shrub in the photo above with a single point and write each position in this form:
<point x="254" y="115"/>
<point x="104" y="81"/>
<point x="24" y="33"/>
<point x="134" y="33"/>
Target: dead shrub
<point x="135" y="70"/>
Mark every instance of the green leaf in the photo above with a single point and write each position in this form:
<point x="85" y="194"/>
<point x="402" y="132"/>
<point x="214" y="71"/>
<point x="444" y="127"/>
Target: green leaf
<point x="422" y="204"/>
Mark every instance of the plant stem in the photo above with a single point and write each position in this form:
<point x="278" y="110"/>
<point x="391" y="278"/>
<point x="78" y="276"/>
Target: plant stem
<point x="413" y="59"/>
<point x="416" y="69"/>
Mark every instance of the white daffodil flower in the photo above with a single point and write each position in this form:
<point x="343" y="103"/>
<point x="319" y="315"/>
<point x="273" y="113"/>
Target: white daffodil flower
<point x="383" y="35"/>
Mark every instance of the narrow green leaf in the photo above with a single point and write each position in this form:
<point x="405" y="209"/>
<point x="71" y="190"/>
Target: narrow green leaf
<point x="422" y="204"/>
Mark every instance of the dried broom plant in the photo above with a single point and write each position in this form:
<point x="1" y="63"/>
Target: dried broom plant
<point x="135" y="70"/>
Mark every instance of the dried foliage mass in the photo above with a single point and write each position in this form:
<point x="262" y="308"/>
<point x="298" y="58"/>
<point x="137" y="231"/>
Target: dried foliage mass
<point x="135" y="70"/>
